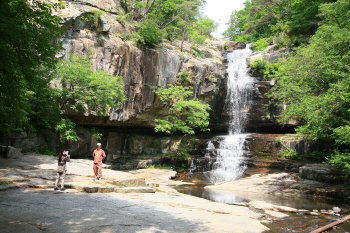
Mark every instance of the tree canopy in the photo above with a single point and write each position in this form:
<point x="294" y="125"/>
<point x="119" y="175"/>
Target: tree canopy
<point x="314" y="82"/>
<point x="26" y="31"/>
<point x="291" y="22"/>
<point x="83" y="89"/>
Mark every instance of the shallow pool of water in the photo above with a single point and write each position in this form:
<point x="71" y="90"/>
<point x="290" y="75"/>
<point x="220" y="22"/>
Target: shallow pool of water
<point x="292" y="223"/>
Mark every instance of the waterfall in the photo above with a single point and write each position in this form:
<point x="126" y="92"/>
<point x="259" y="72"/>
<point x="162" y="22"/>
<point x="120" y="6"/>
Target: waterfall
<point x="230" y="159"/>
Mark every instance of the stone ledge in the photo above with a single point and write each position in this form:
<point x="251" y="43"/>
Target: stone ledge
<point x="135" y="190"/>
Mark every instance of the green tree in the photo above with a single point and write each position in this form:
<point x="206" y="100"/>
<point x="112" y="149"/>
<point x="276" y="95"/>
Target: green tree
<point x="314" y="83"/>
<point x="185" y="113"/>
<point x="27" y="29"/>
<point x="202" y="29"/>
<point x="83" y="89"/>
<point x="238" y="23"/>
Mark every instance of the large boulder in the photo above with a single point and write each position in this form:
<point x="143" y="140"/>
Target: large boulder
<point x="318" y="172"/>
<point x="12" y="152"/>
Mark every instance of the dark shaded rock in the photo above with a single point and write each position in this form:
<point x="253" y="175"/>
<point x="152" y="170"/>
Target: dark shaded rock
<point x="12" y="152"/>
<point x="318" y="172"/>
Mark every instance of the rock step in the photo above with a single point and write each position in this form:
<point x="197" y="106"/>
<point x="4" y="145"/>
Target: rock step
<point x="138" y="182"/>
<point x="109" y="189"/>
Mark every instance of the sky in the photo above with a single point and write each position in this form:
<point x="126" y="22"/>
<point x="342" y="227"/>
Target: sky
<point x="220" y="11"/>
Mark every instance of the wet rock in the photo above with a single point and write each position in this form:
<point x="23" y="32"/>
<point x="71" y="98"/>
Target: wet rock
<point x="313" y="213"/>
<point x="232" y="45"/>
<point x="336" y="209"/>
<point x="12" y="152"/>
<point x="267" y="206"/>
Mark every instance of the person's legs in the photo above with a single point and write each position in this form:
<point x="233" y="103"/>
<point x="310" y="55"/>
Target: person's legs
<point x="57" y="179"/>
<point x="100" y="170"/>
<point x="95" y="170"/>
<point x="62" y="179"/>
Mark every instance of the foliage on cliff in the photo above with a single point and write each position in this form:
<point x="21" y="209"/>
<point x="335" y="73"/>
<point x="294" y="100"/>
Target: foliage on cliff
<point x="168" y="19"/>
<point x="186" y="113"/>
<point x="83" y="89"/>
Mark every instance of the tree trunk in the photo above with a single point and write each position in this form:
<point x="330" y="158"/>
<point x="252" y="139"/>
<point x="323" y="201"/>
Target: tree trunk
<point x="144" y="9"/>
<point x="150" y="6"/>
<point x="183" y="38"/>
<point x="125" y="7"/>
<point x="171" y="139"/>
<point x="322" y="229"/>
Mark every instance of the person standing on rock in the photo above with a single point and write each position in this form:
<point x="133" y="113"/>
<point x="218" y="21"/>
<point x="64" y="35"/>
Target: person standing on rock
<point x="63" y="158"/>
<point x="98" y="155"/>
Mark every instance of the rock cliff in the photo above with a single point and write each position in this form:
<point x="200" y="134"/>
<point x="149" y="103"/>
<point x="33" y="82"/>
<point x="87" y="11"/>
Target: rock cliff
<point x="140" y="69"/>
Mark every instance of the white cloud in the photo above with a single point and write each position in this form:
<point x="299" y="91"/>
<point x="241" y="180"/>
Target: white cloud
<point x="220" y="11"/>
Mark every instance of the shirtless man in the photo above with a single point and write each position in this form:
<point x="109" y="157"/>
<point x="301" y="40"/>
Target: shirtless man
<point x="98" y="155"/>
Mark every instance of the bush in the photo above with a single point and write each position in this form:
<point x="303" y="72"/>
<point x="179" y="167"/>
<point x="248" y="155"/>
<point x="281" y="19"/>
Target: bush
<point x="259" y="65"/>
<point x="288" y="154"/>
<point x="185" y="75"/>
<point x="341" y="160"/>
<point x="150" y="34"/>
<point x="261" y="43"/>
<point x="130" y="36"/>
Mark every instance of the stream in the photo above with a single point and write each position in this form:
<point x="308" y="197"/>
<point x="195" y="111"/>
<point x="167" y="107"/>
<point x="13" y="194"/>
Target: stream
<point x="297" y="222"/>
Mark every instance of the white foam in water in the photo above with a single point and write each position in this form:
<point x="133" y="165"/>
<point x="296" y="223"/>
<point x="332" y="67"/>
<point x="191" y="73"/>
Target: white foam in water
<point x="230" y="163"/>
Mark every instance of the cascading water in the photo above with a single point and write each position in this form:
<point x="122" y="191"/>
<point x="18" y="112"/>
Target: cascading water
<point x="230" y="159"/>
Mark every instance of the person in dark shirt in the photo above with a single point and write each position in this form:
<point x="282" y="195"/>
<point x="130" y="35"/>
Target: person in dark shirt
<point x="63" y="158"/>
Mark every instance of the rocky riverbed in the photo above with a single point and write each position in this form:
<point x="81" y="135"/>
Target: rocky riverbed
<point x="29" y="203"/>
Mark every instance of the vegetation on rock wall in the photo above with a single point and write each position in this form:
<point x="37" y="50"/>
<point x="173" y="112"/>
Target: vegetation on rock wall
<point x="186" y="113"/>
<point x="167" y="19"/>
<point x="82" y="89"/>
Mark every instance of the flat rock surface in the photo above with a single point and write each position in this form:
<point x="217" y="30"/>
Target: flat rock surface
<point x="28" y="202"/>
<point x="279" y="183"/>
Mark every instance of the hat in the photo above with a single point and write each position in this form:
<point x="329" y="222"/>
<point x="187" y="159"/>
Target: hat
<point x="99" y="144"/>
